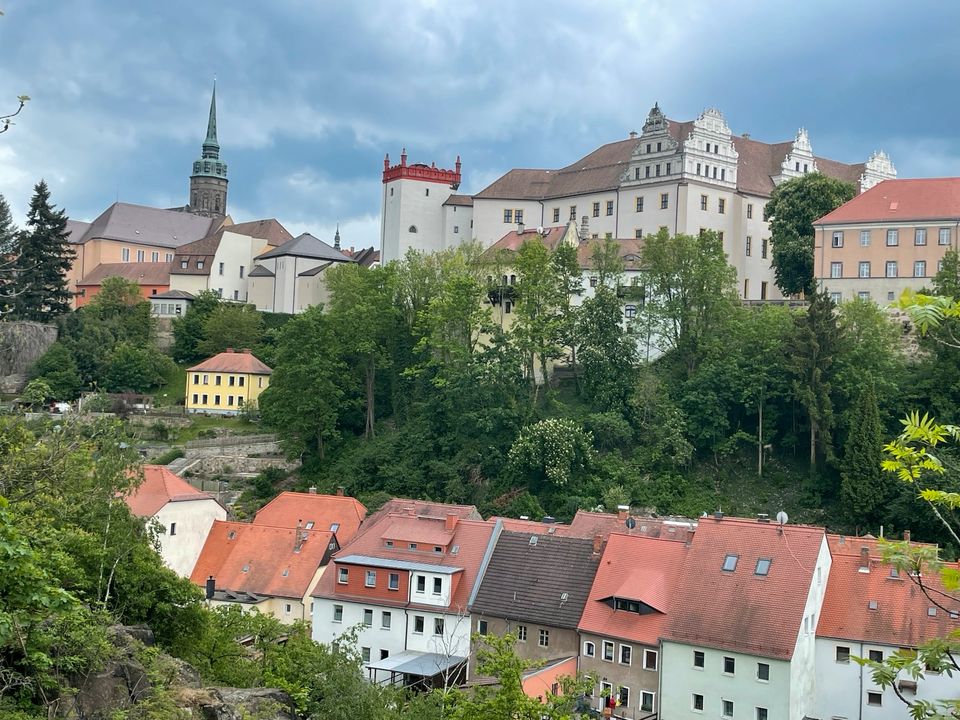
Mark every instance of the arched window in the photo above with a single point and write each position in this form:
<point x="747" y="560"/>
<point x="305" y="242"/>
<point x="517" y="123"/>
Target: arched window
<point x="413" y="229"/>
<point x="513" y="279"/>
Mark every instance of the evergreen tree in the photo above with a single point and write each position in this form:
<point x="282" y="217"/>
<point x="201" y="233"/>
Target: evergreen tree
<point x="861" y="477"/>
<point x="812" y="350"/>
<point x="9" y="235"/>
<point x="947" y="280"/>
<point x="43" y="260"/>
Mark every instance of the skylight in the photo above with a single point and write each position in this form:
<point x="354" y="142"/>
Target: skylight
<point x="873" y="605"/>
<point x="309" y="525"/>
<point x="334" y="527"/>
<point x="763" y="567"/>
<point x="730" y="563"/>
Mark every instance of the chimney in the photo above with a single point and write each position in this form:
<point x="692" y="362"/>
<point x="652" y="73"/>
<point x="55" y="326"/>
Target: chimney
<point x="584" y="228"/>
<point x="312" y="490"/>
<point x="451" y="522"/>
<point x="597" y="544"/>
<point x="211" y="587"/>
<point x="864" y="559"/>
<point x="298" y="540"/>
<point x="622" y="512"/>
<point x="246" y="351"/>
<point x="340" y="491"/>
<point x="520" y="227"/>
<point x="763" y="517"/>
<point x="229" y="350"/>
<point x="548" y="520"/>
<point x="906" y="536"/>
<point x="633" y="134"/>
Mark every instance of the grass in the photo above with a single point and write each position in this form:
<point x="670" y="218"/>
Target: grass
<point x="200" y="423"/>
<point x="173" y="389"/>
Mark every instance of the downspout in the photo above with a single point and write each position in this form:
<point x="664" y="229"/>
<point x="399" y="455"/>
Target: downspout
<point x="860" y="704"/>
<point x="616" y="215"/>
<point x="293" y="308"/>
<point x="676" y="212"/>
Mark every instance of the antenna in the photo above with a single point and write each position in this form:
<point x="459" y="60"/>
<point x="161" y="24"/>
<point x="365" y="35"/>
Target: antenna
<point x="782" y="517"/>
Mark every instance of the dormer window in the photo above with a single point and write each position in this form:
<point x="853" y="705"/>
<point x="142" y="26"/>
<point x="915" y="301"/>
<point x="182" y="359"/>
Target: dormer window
<point x="437" y="586"/>
<point x="730" y="563"/>
<point x="343" y="575"/>
<point x="413" y="546"/>
<point x="437" y="549"/>
<point x="388" y="543"/>
<point x="199" y="264"/>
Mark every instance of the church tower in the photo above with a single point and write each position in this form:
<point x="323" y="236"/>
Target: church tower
<point x="208" y="182"/>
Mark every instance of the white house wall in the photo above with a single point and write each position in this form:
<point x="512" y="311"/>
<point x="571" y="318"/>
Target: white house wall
<point x="457" y="225"/>
<point x="233" y="253"/>
<point x="325" y="630"/>
<point x="803" y="665"/>
<point x="193" y="519"/>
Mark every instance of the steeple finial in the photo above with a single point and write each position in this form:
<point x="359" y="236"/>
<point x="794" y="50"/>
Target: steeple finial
<point x="211" y="148"/>
<point x="336" y="238"/>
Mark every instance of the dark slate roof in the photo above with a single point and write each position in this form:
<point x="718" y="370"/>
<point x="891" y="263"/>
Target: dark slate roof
<point x="149" y="226"/>
<point x="462" y="200"/>
<point x="526" y="582"/>
<point x="260" y="271"/>
<point x="315" y="271"/>
<point x="76" y="229"/>
<point x="173" y="295"/>
<point x="306" y="245"/>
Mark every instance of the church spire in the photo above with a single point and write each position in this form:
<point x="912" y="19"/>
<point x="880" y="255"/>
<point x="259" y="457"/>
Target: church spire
<point x="211" y="148"/>
<point x="336" y="238"/>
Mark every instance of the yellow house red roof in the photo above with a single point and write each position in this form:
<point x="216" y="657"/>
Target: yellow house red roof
<point x="233" y="362"/>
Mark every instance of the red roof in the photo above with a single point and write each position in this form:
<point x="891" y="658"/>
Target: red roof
<point x="901" y="201"/>
<point x="586" y="524"/>
<point x="323" y="511"/>
<point x="740" y="610"/>
<point x="254" y="559"/>
<point x="159" y="487"/>
<point x="900" y="617"/>
<point x="470" y="536"/>
<point x="232" y="362"/>
<point x="639" y="568"/>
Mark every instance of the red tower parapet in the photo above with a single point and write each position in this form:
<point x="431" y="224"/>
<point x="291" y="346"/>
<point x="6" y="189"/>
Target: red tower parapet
<point x="419" y="171"/>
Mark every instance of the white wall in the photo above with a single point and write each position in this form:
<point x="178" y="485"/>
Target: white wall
<point x="488" y="224"/>
<point x="193" y="519"/>
<point x="235" y="251"/>
<point x="680" y="680"/>
<point x="454" y="641"/>
<point x="427" y="597"/>
<point x="803" y="664"/>
<point x="393" y="640"/>
<point x="457" y="225"/>
<point x="409" y="203"/>
<point x="842" y="687"/>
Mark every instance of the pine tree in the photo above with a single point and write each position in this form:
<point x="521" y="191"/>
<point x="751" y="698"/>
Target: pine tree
<point x="8" y="245"/>
<point x="43" y="261"/>
<point x="861" y="478"/>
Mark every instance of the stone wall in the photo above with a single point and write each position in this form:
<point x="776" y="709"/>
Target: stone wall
<point x="235" y="465"/>
<point x="21" y="344"/>
<point x="163" y="333"/>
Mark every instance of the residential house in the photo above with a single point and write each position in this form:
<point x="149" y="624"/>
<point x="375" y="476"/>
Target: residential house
<point x="153" y="278"/>
<point x="634" y="595"/>
<point x="338" y="513"/>
<point x="681" y="176"/>
<point x="290" y="278"/>
<point x="222" y="261"/>
<point x="871" y="610"/>
<point x="170" y="304"/>
<point x="405" y="581"/>
<point x="741" y="643"/>
<point x="226" y="383"/>
<point x="184" y="513"/>
<point x="272" y="569"/>
<point x="126" y="233"/>
<point x="590" y="524"/>
<point x="889" y="239"/>
<point x="535" y="587"/>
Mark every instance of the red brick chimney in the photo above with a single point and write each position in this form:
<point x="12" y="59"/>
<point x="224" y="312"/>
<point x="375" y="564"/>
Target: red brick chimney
<point x="906" y="536"/>
<point x="451" y="522"/>
<point x="865" y="559"/>
<point x="597" y="544"/>
<point x="340" y="491"/>
<point x="229" y="350"/>
<point x="623" y="511"/>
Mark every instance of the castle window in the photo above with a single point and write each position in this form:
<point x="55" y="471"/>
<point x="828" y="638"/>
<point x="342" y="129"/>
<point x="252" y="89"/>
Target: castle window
<point x="714" y="172"/>
<point x="659" y="146"/>
<point x="749" y="211"/>
<point x="920" y="236"/>
<point x="573" y="212"/>
<point x="646" y="171"/>
<point x="837" y="240"/>
<point x="456" y="229"/>
<point x="125" y="254"/>
<point x="426" y="192"/>
<point x="698" y="168"/>
<point x="556" y="214"/>
<point x="391" y="192"/>
<point x="140" y="255"/>
<point x="723" y="173"/>
<point x="412" y="229"/>
<point x="518" y="216"/>
<point x="703" y="202"/>
<point x="508" y="216"/>
<point x="155" y="257"/>
<point x="944" y="236"/>
<point x="669" y="167"/>
<point x="664" y="201"/>
<point x="749" y="246"/>
<point x="596" y="209"/>
<point x="640" y="204"/>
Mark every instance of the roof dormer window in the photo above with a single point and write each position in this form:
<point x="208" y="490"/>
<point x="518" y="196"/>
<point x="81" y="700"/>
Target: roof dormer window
<point x="730" y="563"/>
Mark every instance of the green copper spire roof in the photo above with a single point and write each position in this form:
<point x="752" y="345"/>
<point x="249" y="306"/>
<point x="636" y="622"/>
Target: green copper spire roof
<point x="211" y="148"/>
<point x="209" y="164"/>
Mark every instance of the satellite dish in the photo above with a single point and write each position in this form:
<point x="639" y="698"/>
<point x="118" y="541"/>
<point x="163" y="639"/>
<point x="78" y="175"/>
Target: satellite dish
<point x="782" y="517"/>
<point x="631" y="523"/>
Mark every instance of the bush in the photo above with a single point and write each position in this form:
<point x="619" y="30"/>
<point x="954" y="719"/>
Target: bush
<point x="165" y="458"/>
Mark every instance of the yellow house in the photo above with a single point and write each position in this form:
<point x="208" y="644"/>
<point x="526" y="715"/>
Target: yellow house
<point x="226" y="383"/>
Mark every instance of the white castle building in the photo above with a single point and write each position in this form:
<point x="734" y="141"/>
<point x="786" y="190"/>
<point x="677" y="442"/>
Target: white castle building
<point x="682" y="176"/>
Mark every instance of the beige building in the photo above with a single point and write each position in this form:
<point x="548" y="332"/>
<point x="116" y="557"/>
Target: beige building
<point x="222" y="261"/>
<point x="126" y="233"/>
<point x="889" y="239"/>
<point x="290" y="278"/>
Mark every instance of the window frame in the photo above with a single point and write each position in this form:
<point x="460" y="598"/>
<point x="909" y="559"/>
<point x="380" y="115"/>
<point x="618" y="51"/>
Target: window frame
<point x="893" y="237"/>
<point x="629" y="654"/>
<point x="343" y="576"/>
<point x="393" y="581"/>
<point x="664" y="201"/>
<point x="836" y="239"/>
<point x="589" y="648"/>
<point x="842" y="654"/>
<point x="702" y="657"/>
<point x="920" y="236"/>
<point x="647" y="654"/>
<point x="337" y="610"/>
<point x="613" y="651"/>
<point x="732" y="662"/>
<point x="760" y="674"/>
<point x="370" y="579"/>
<point x="648" y="706"/>
<point x="543" y="638"/>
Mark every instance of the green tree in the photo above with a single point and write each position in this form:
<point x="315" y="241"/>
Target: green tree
<point x="364" y="313"/>
<point x="813" y="350"/>
<point x="123" y="310"/>
<point x="57" y="368"/>
<point x="188" y="328"/>
<point x="946" y="283"/>
<point x="608" y="352"/>
<point x="791" y="211"/>
<point x="134" y="369"/>
<point x="306" y="390"/>
<point x="565" y="263"/>
<point x="537" y="324"/>
<point x="862" y="483"/>
<point x="43" y="260"/>
<point x="606" y="262"/>
<point x="691" y="287"/>
<point x="36" y="393"/>
<point x="230" y="326"/>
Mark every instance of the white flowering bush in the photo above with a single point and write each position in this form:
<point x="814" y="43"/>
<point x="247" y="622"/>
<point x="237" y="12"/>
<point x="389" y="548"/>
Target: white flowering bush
<point x="552" y="450"/>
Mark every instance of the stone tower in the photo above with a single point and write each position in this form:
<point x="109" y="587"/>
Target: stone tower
<point x="208" y="182"/>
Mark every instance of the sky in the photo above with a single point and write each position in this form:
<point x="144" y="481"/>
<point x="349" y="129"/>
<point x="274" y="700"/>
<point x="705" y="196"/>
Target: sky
<point x="312" y="94"/>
